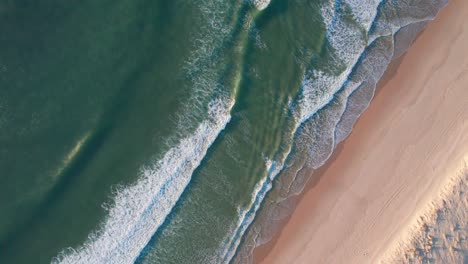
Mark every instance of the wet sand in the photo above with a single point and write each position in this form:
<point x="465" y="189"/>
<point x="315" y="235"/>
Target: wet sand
<point x="404" y="149"/>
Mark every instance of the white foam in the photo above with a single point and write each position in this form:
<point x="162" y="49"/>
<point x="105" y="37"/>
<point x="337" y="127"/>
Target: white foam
<point x="261" y="4"/>
<point x="364" y="11"/>
<point x="349" y="44"/>
<point x="318" y="86"/>
<point x="408" y="13"/>
<point x="140" y="209"/>
<point x="246" y="216"/>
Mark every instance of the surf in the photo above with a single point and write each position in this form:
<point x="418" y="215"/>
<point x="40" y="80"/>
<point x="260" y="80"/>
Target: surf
<point x="138" y="210"/>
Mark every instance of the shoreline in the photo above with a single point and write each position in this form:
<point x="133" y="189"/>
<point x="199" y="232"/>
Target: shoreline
<point x="394" y="85"/>
<point x="262" y="251"/>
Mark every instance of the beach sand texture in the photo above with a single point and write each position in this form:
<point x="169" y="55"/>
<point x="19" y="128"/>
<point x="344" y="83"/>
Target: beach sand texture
<point x="402" y="154"/>
<point x="440" y="235"/>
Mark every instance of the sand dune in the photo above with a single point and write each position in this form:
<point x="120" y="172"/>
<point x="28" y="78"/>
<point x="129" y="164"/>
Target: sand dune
<point x="403" y="152"/>
<point x="440" y="235"/>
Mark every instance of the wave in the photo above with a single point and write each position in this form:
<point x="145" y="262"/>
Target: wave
<point x="140" y="209"/>
<point x="329" y="103"/>
<point x="231" y="243"/>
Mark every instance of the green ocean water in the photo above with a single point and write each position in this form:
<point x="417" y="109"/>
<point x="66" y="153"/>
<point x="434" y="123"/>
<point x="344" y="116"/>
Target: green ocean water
<point x="160" y="131"/>
<point x="104" y="74"/>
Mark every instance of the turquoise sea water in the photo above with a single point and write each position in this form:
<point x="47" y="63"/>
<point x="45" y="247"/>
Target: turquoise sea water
<point x="177" y="131"/>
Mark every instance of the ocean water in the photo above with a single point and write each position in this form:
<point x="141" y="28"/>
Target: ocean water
<point x="177" y="131"/>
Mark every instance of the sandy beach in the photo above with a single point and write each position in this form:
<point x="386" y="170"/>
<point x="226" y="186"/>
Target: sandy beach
<point x="402" y="154"/>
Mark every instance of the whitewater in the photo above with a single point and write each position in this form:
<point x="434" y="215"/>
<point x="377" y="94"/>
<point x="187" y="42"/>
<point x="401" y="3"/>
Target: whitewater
<point x="137" y="211"/>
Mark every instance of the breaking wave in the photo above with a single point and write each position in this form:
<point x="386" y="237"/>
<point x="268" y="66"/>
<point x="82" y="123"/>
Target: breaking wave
<point x="139" y="210"/>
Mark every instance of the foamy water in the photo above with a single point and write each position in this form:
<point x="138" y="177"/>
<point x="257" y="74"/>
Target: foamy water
<point x="261" y="4"/>
<point x="138" y="210"/>
<point x="246" y="216"/>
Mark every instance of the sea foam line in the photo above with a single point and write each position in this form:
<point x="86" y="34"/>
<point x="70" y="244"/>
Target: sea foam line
<point x="139" y="210"/>
<point x="261" y="4"/>
<point x="246" y="216"/>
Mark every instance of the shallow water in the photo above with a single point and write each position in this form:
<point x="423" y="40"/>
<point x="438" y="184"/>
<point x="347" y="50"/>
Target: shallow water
<point x="159" y="131"/>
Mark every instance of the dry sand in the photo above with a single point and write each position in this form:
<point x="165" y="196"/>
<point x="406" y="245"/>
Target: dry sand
<point x="440" y="235"/>
<point x="403" y="153"/>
